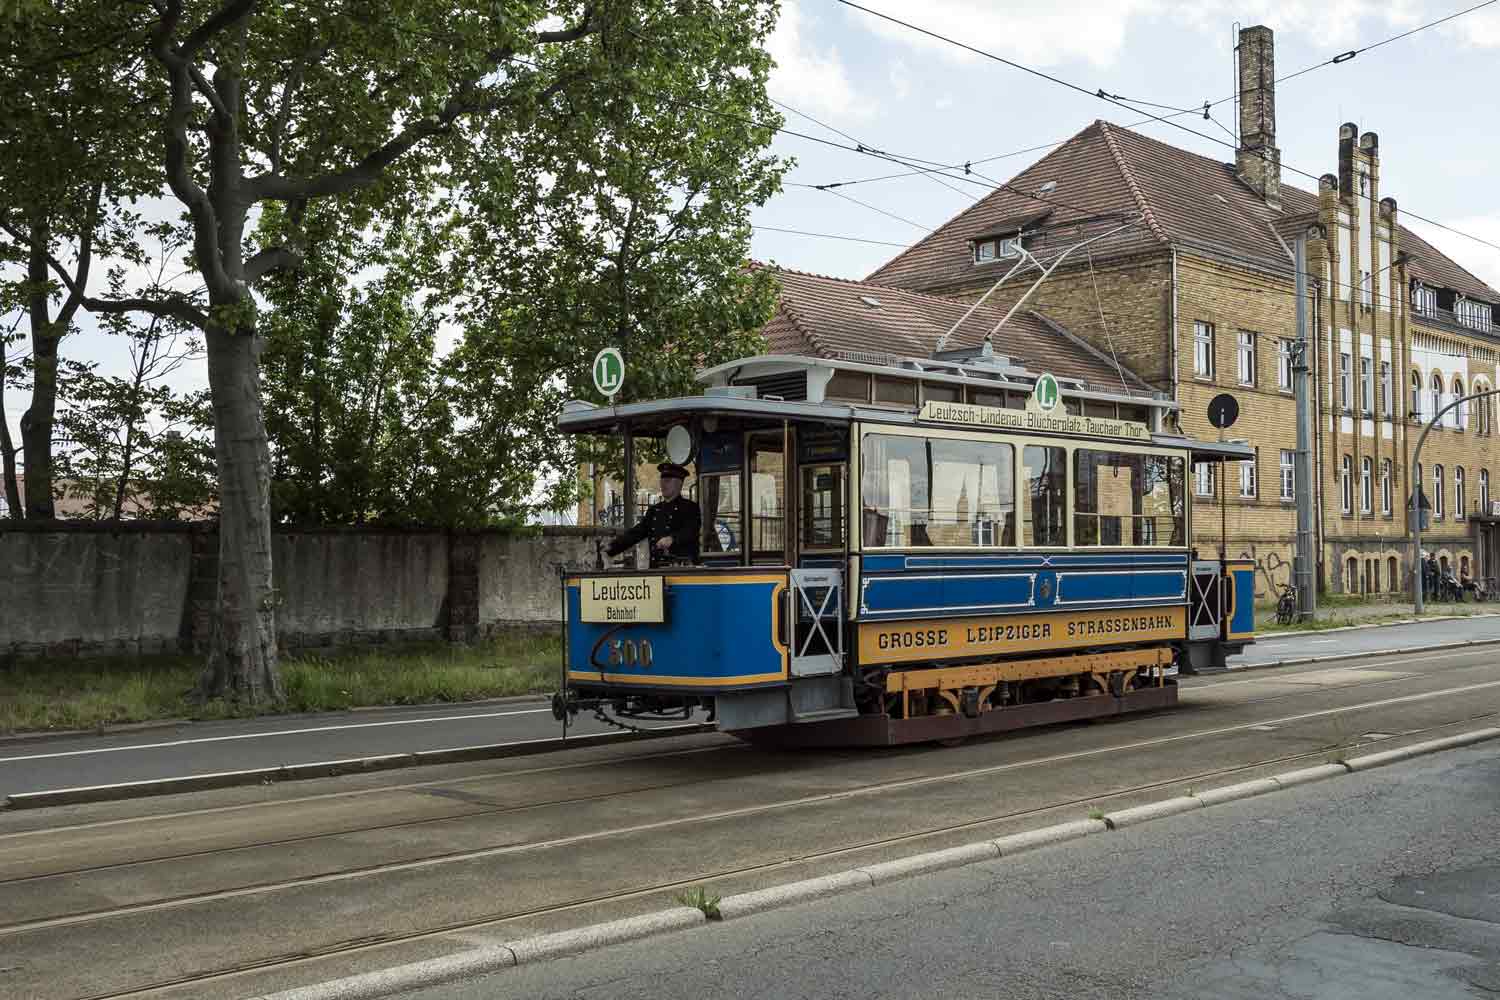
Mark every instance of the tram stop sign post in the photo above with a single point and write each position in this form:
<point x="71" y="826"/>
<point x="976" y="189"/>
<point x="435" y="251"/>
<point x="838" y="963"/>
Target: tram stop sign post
<point x="1223" y="411"/>
<point x="1417" y="506"/>
<point x="609" y="372"/>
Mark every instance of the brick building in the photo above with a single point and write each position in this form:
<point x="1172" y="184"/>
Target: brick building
<point x="1197" y="298"/>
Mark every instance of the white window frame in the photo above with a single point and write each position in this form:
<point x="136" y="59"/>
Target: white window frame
<point x="1366" y="486"/>
<point x="1248" y="478"/>
<point x="1245" y="357"/>
<point x="1439" y="501"/>
<point x="1386" y="487"/>
<point x="1386" y="388"/>
<point x="1346" y="485"/>
<point x="1416" y="394"/>
<point x="1367" y="385"/>
<point x="1203" y="349"/>
<point x="1461" y="411"/>
<point x="1484" y="492"/>
<point x="1288" y="474"/>
<point x="1346" y="381"/>
<point x="1459" y="507"/>
<point x="1285" y="352"/>
<point x="1204" y="479"/>
<point x="1423" y="299"/>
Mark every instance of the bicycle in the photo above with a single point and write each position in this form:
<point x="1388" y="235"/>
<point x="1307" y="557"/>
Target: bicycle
<point x="1286" y="605"/>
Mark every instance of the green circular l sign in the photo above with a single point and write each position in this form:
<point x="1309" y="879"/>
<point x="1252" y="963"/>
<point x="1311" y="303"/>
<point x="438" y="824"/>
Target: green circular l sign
<point x="1045" y="392"/>
<point x="609" y="371"/>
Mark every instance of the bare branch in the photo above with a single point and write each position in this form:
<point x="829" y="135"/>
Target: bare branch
<point x="226" y="17"/>
<point x="201" y="84"/>
<point x="178" y="308"/>
<point x="269" y="260"/>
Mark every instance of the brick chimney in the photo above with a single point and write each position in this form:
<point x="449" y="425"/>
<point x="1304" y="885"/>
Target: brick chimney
<point x="1258" y="161"/>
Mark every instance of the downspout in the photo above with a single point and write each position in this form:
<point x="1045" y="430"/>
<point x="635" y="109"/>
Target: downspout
<point x="1317" y="322"/>
<point x="1172" y="339"/>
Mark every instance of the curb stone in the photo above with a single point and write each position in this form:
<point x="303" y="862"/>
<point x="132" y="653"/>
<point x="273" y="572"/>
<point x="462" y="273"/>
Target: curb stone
<point x="1404" y="650"/>
<point x="484" y="960"/>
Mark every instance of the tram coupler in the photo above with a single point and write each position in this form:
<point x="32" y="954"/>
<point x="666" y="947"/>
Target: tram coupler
<point x="566" y="705"/>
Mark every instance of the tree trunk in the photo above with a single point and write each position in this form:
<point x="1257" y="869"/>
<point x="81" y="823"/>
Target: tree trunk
<point x="8" y="454"/>
<point x="242" y="656"/>
<point x="37" y="421"/>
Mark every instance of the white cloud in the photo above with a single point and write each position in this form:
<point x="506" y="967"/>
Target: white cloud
<point x="943" y="103"/>
<point x="1480" y="260"/>
<point x="900" y="80"/>
<point x="806" y="76"/>
<point x="1480" y="29"/>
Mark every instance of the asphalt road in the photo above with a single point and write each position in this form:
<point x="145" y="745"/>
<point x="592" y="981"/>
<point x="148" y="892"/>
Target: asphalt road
<point x="210" y="747"/>
<point x="1382" y="885"/>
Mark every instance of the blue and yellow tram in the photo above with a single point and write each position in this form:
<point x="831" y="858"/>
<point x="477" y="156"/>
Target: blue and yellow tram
<point x="907" y="551"/>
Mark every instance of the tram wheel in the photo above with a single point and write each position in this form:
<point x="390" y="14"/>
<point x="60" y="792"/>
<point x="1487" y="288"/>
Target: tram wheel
<point x="954" y="741"/>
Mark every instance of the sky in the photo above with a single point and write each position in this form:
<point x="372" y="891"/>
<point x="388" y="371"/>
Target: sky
<point x="1430" y="96"/>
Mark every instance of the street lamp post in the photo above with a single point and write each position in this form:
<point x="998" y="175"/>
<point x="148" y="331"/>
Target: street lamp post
<point x="1416" y="513"/>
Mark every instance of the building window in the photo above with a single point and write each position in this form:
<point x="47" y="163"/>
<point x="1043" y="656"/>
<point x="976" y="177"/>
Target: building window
<point x="1246" y="356"/>
<point x="1366" y="386"/>
<point x="1393" y="574"/>
<point x="1482" y="413"/>
<point x="1284" y="354"/>
<point x="1364" y="289"/>
<point x="1385" y="487"/>
<point x="1366" y="486"/>
<point x="1461" y="411"/>
<point x="1437" y="493"/>
<point x="1346" y="485"/>
<point x="1423" y="299"/>
<point x="1484" y="492"/>
<point x="1471" y="312"/>
<point x="996" y="249"/>
<point x="1288" y="474"/>
<point x="1385" y="388"/>
<point x="1345" y="390"/>
<point x="1436" y="396"/>
<point x="1203" y="349"/>
<point x="1203" y="479"/>
<point x="1416" y="395"/>
<point x="1247" y="478"/>
<point x="1459" y="510"/>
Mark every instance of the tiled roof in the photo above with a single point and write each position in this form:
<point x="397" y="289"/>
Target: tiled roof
<point x="1184" y="200"/>
<point x="822" y="316"/>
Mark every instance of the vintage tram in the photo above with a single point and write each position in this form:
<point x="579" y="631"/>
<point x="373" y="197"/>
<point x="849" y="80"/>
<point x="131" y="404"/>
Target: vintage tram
<point x="898" y="550"/>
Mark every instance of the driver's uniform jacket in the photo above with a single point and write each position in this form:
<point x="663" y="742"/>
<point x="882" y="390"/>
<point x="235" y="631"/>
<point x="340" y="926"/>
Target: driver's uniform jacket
<point x="678" y="518"/>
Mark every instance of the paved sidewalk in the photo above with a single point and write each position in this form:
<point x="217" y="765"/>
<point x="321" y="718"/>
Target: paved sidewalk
<point x="1368" y="640"/>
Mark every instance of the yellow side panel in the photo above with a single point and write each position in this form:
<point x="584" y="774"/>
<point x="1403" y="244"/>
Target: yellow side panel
<point x="951" y="638"/>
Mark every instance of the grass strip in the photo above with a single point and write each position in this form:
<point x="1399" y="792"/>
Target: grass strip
<point x="37" y="695"/>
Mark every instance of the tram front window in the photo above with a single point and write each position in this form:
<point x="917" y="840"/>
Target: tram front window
<point x="719" y="500"/>
<point x="937" y="492"/>
<point x="823" y="507"/>
<point x="1126" y="498"/>
<point x="1046" y="496"/>
<point x="767" y="498"/>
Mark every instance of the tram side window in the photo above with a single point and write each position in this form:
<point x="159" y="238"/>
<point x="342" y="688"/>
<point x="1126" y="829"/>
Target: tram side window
<point x="1046" y="486"/>
<point x="719" y="500"/>
<point x="937" y="492"/>
<point x="767" y="497"/>
<point x="822" y="506"/>
<point x="1123" y="498"/>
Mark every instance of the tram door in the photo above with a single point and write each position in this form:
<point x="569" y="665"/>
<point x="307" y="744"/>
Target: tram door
<point x="820" y="517"/>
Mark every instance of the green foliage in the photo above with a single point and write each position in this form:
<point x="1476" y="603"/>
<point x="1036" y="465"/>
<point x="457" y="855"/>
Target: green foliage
<point x="700" y="898"/>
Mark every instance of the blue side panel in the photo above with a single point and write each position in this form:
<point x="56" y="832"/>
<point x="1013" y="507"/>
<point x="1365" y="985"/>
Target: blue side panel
<point x="1242" y="622"/>
<point x="716" y="634"/>
<point x="907" y="584"/>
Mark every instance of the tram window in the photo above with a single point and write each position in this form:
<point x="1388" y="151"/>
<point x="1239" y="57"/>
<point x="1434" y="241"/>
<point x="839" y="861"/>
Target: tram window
<point x="1046" y="488"/>
<point x="982" y="397"/>
<point x="851" y="386"/>
<point x="1072" y="407"/>
<point x="1138" y="414"/>
<point x="1124" y="498"/>
<point x="895" y="390"/>
<point x="719" y="500"/>
<point x="939" y="492"/>
<point x="1098" y="408"/>
<point x="822" y="507"/>
<point x="767" y="497"/>
<point x="940" y="393"/>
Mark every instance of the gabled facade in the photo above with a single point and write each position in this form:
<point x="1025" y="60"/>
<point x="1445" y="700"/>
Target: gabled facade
<point x="1197" y="298"/>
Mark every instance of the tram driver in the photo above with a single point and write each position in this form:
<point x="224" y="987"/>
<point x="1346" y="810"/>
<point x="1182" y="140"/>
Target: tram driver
<point x="672" y="526"/>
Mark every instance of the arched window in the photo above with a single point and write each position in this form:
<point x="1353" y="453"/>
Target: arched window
<point x="1385" y="487"/>
<point x="1437" y="492"/>
<point x="1461" y="411"/>
<point x="1346" y="485"/>
<point x="1436" y="396"/>
<point x="1481" y="408"/>
<point x="1416" y="394"/>
<point x="1392" y="574"/>
<point x="1463" y="566"/>
<point x="1351" y="578"/>
<point x="1458" y="493"/>
<point x="1484" y="491"/>
<point x="1366" y="486"/>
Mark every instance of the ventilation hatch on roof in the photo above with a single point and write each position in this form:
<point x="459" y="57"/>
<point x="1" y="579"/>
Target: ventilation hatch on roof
<point x="870" y="301"/>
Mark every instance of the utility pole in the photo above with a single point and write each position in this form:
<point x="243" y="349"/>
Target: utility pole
<point x="1305" y="561"/>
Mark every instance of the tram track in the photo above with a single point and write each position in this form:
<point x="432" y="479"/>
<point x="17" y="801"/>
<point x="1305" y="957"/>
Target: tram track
<point x="365" y="945"/>
<point x="1413" y="714"/>
<point x="444" y="858"/>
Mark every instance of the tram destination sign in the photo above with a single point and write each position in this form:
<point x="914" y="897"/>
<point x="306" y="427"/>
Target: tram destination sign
<point x="1032" y="419"/>
<point x="621" y="600"/>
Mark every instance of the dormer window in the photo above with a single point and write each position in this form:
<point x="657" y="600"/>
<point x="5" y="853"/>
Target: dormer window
<point x="996" y="248"/>
<point x="1472" y="312"/>
<point x="1423" y="299"/>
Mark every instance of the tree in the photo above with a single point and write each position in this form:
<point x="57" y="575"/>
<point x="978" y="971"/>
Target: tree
<point x="10" y="370"/>
<point x="68" y="152"/>
<point x="293" y="104"/>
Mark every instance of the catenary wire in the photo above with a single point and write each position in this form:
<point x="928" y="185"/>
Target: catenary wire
<point x="1101" y="95"/>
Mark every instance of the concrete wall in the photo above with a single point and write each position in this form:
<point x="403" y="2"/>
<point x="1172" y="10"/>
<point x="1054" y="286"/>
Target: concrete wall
<point x="69" y="588"/>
